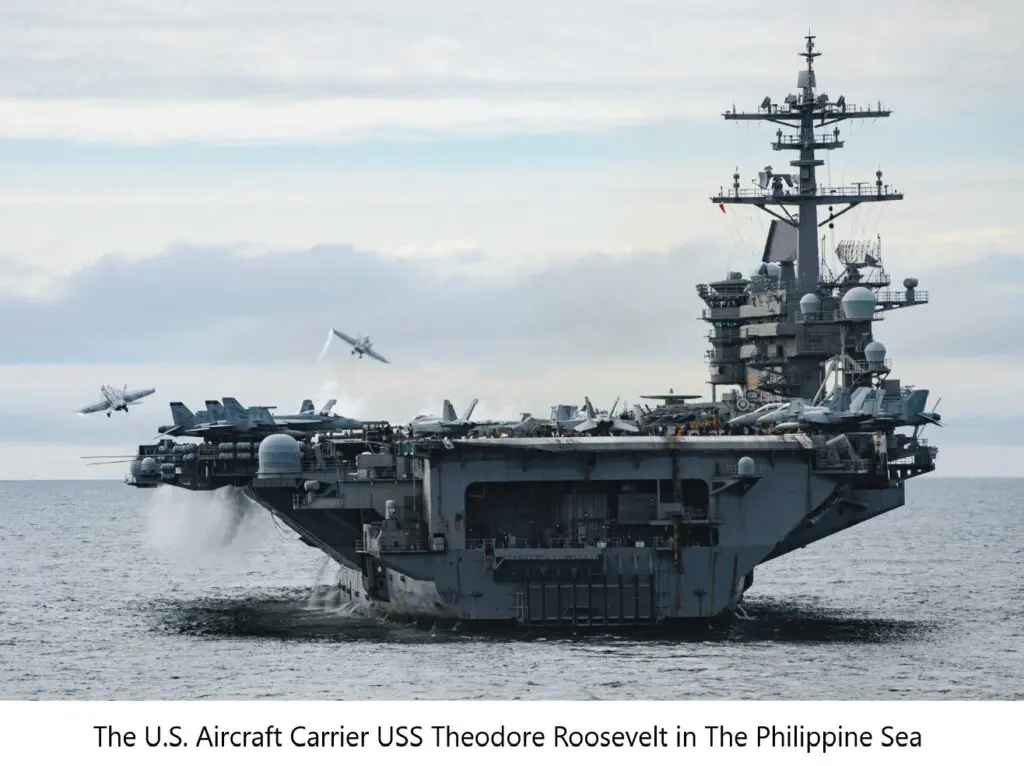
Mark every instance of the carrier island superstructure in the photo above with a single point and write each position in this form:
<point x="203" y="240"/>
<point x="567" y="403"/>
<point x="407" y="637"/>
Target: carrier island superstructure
<point x="646" y="529"/>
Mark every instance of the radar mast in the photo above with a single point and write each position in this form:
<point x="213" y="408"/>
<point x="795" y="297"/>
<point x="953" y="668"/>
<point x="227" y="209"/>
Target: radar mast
<point x="777" y="193"/>
<point x="775" y="333"/>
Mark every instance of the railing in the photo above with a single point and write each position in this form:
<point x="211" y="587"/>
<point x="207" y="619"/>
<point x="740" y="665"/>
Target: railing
<point x="903" y="297"/>
<point x="862" y="368"/>
<point x="757" y="472"/>
<point x="723" y="334"/>
<point x="866" y="190"/>
<point x="722" y="354"/>
<point x="794" y="111"/>
<point x="823" y="464"/>
<point x="818" y="141"/>
<point x="818" y="316"/>
<point x="375" y="547"/>
<point x="575" y="543"/>
<point x="720" y="312"/>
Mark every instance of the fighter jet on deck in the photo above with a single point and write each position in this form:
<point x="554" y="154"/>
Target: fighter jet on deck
<point x="447" y="423"/>
<point x="232" y="420"/>
<point x="115" y="400"/>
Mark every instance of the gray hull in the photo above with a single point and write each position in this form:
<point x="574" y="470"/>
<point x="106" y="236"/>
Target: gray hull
<point x="660" y="529"/>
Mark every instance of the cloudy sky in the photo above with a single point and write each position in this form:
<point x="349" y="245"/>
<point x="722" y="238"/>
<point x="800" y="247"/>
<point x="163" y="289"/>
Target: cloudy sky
<point x="512" y="202"/>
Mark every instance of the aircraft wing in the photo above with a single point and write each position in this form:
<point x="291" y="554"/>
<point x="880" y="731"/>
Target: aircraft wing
<point x="346" y="338"/>
<point x="134" y="396"/>
<point x="375" y="355"/>
<point x="204" y="429"/>
<point x="95" y="407"/>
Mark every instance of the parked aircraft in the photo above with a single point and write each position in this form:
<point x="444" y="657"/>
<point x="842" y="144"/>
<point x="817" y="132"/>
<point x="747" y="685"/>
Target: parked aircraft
<point x="869" y="408"/>
<point x="361" y="344"/>
<point x="603" y="421"/>
<point x="447" y="423"/>
<point x="752" y="417"/>
<point x="231" y="419"/>
<point x="307" y="421"/>
<point x="115" y="400"/>
<point x="307" y="408"/>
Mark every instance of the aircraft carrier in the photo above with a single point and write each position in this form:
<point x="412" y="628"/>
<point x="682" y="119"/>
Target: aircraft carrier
<point x="656" y="518"/>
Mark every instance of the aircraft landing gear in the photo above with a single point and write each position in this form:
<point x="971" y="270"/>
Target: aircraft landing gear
<point x="108" y="414"/>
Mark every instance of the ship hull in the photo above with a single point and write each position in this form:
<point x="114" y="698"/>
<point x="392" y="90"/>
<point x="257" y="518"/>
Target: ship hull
<point x="654" y="532"/>
<point x="420" y="603"/>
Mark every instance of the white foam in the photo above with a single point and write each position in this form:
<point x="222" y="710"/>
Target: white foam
<point x="185" y="524"/>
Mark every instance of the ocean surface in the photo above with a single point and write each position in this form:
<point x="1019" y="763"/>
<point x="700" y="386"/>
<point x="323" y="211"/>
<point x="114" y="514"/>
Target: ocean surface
<point x="108" y="592"/>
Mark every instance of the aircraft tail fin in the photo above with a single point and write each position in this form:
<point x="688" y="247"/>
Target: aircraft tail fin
<point x="448" y="411"/>
<point x="307" y="406"/>
<point x="216" y="410"/>
<point x="237" y="415"/>
<point x="588" y="407"/>
<point x="916" y="401"/>
<point x="469" y="410"/>
<point x="325" y="411"/>
<point x="182" y="415"/>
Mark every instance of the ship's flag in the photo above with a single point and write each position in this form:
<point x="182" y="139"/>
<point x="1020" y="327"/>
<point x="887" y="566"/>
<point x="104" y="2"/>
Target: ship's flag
<point x="721" y="206"/>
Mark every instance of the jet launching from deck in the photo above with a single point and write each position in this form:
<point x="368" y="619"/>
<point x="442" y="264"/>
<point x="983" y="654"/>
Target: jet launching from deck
<point x="116" y="400"/>
<point x="361" y="344"/>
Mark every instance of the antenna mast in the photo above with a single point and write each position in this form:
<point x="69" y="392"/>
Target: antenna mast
<point x="777" y="193"/>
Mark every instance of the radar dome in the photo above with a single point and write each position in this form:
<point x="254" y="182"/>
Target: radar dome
<point x="279" y="453"/>
<point x="773" y="270"/>
<point x="874" y="353"/>
<point x="135" y="467"/>
<point x="859" y="304"/>
<point x="149" y="465"/>
<point x="745" y="466"/>
<point x="910" y="283"/>
<point x="810" y="304"/>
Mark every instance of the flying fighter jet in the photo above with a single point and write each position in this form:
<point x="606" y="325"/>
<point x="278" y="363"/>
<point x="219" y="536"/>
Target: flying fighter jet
<point x="361" y="344"/>
<point x="115" y="400"/>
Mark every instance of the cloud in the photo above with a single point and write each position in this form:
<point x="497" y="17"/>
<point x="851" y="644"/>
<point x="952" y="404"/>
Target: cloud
<point x="207" y="305"/>
<point x="320" y="121"/>
<point x="151" y="72"/>
<point x="975" y="309"/>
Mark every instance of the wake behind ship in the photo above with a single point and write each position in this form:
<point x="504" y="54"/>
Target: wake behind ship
<point x="656" y="517"/>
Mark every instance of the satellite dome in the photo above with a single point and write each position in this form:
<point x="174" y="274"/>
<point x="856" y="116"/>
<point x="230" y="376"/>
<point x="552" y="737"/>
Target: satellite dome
<point x="859" y="304"/>
<point x="910" y="283"/>
<point x="135" y="467"/>
<point x="810" y="304"/>
<point x="746" y="466"/>
<point x="874" y="353"/>
<point x="149" y="465"/>
<point x="278" y="454"/>
<point x="773" y="270"/>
